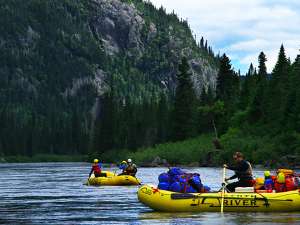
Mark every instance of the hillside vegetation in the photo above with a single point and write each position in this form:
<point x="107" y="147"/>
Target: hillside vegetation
<point x="78" y="77"/>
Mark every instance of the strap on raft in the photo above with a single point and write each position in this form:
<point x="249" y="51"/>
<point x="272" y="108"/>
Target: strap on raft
<point x="178" y="196"/>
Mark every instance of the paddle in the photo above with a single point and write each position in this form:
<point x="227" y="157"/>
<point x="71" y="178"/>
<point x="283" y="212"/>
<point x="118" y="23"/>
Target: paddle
<point x="223" y="189"/>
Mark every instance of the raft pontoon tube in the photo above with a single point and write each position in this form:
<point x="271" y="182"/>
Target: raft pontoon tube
<point x="112" y="179"/>
<point x="167" y="201"/>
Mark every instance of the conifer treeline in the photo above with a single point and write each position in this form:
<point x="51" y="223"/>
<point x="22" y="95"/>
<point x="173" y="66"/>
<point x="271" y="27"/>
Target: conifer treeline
<point x="40" y="58"/>
<point x="262" y="107"/>
<point x="49" y="49"/>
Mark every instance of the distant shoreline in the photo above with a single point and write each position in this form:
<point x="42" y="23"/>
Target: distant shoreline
<point x="40" y="158"/>
<point x="114" y="165"/>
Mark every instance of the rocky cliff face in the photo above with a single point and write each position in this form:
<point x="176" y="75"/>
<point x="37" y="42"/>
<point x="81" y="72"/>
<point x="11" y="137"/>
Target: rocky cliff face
<point x="125" y="30"/>
<point x="119" y="25"/>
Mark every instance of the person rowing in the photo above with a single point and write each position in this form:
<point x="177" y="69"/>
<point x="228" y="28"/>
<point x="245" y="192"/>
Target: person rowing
<point x="96" y="169"/>
<point x="243" y="171"/>
<point x="129" y="168"/>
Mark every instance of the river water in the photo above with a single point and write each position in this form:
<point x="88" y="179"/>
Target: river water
<point x="53" y="193"/>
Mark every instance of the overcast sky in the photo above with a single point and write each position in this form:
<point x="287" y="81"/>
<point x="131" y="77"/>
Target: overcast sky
<point x="243" y="28"/>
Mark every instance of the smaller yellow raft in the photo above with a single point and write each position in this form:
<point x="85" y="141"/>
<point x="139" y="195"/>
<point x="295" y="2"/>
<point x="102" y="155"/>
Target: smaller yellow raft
<point x="112" y="179"/>
<point x="168" y="201"/>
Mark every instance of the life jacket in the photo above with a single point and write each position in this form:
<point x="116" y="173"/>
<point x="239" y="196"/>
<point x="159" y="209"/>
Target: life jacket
<point x="245" y="175"/>
<point x="96" y="168"/>
<point x="259" y="183"/>
<point x="122" y="165"/>
<point x="279" y="187"/>
<point x="131" y="169"/>
<point x="291" y="183"/>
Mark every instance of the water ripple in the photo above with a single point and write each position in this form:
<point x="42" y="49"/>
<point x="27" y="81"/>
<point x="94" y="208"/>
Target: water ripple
<point x="53" y="193"/>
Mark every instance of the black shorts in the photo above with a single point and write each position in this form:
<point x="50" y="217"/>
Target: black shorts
<point x="100" y="175"/>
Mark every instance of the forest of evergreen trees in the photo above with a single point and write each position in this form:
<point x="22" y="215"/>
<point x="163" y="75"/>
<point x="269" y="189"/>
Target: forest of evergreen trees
<point x="48" y="46"/>
<point x="258" y="113"/>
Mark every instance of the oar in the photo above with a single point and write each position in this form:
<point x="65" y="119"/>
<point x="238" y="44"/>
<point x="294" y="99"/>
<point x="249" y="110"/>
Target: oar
<point x="223" y="189"/>
<point x="87" y="183"/>
<point x="138" y="181"/>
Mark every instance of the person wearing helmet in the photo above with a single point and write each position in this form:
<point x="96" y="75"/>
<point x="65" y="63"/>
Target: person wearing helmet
<point x="122" y="166"/>
<point x="130" y="169"/>
<point x="243" y="171"/>
<point x="96" y="169"/>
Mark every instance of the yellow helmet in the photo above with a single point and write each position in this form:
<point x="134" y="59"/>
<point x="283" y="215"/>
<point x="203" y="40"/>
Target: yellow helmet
<point x="281" y="178"/>
<point x="123" y="162"/>
<point x="267" y="173"/>
<point x="96" y="160"/>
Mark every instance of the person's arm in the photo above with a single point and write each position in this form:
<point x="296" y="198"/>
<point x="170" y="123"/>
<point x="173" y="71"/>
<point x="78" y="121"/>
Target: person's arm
<point x="235" y="168"/>
<point x="91" y="172"/>
<point x="243" y="166"/>
<point x="134" y="169"/>
<point x="232" y="177"/>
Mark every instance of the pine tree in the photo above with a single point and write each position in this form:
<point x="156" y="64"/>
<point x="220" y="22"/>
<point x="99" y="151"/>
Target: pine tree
<point x="279" y="73"/>
<point x="202" y="43"/>
<point x="206" y="46"/>
<point x="227" y="91"/>
<point x="246" y="88"/>
<point x="227" y="82"/>
<point x="262" y="68"/>
<point x="184" y="107"/>
<point x="258" y="104"/>
<point x="292" y="110"/>
<point x="277" y="94"/>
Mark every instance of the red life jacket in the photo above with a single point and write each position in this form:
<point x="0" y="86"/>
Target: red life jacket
<point x="280" y="187"/>
<point x="96" y="169"/>
<point x="290" y="183"/>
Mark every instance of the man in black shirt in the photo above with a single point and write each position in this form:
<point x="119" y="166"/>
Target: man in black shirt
<point x="243" y="171"/>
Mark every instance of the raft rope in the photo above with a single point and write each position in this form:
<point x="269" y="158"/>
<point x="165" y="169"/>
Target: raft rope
<point x="267" y="204"/>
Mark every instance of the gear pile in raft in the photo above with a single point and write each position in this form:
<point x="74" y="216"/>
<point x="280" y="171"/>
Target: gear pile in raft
<point x="284" y="180"/>
<point x="177" y="180"/>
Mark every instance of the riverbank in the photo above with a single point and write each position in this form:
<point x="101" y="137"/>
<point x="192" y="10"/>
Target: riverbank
<point x="43" y="158"/>
<point x="204" y="151"/>
<point x="201" y="151"/>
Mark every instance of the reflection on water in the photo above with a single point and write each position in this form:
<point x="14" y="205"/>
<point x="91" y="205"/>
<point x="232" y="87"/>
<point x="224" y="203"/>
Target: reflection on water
<point x="53" y="193"/>
<point x="217" y="218"/>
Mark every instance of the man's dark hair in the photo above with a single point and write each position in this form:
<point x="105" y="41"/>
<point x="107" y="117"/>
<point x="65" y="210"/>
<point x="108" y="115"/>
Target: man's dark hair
<point x="238" y="155"/>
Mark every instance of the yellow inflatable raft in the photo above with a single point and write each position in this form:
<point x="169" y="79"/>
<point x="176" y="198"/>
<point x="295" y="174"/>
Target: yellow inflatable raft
<point x="168" y="201"/>
<point x="112" y="179"/>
